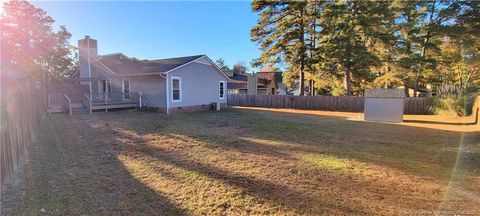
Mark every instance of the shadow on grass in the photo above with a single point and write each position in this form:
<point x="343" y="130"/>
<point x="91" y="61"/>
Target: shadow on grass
<point x="384" y="144"/>
<point x="276" y="194"/>
<point x="73" y="171"/>
<point x="371" y="142"/>
<point x="439" y="123"/>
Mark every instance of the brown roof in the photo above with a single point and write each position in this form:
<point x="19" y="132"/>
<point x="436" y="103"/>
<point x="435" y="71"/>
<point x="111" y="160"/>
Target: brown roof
<point x="263" y="80"/>
<point x="384" y="93"/>
<point x="122" y="65"/>
<point x="271" y="75"/>
<point x="236" y="85"/>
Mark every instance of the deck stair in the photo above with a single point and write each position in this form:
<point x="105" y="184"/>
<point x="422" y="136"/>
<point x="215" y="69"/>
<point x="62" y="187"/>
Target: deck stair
<point x="79" y="110"/>
<point x="77" y="105"/>
<point x="55" y="109"/>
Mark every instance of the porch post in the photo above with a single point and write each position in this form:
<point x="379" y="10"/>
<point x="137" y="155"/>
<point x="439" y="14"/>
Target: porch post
<point x="105" y="101"/>
<point x="140" y="100"/>
<point x="167" y="93"/>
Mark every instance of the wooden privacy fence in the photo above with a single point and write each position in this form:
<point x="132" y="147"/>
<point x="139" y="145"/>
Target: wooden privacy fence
<point x="417" y="106"/>
<point x="22" y="108"/>
<point x="328" y="103"/>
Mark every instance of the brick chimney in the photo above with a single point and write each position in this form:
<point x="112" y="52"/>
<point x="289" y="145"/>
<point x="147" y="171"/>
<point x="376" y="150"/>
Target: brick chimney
<point x="87" y="53"/>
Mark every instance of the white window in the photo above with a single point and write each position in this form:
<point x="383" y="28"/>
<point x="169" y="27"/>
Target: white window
<point x="222" y="89"/>
<point x="176" y="89"/>
<point x="126" y="89"/>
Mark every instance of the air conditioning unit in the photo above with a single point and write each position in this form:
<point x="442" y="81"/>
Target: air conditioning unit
<point x="214" y="106"/>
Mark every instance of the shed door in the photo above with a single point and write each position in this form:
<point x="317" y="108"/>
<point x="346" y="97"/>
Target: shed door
<point x="384" y="109"/>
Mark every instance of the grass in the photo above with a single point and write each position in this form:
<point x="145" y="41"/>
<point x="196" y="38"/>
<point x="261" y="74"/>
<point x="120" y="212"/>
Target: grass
<point x="328" y="163"/>
<point x="245" y="162"/>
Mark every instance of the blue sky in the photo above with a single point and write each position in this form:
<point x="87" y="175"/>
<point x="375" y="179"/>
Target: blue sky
<point x="150" y="30"/>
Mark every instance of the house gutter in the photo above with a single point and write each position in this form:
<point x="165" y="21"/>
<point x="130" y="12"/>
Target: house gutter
<point x="141" y="74"/>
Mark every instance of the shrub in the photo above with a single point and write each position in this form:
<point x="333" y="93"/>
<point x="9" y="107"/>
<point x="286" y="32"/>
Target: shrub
<point x="452" y="105"/>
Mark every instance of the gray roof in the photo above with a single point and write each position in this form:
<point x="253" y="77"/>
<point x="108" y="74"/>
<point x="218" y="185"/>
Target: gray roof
<point x="384" y="93"/>
<point x="122" y="65"/>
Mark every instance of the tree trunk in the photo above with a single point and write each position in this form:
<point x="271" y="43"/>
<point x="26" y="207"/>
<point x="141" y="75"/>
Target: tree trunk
<point x="312" y="49"/>
<point x="415" y="87"/>
<point x="302" y="54"/>
<point x="405" y="86"/>
<point x="313" y="87"/>
<point x="424" y="52"/>
<point x="418" y="70"/>
<point x="416" y="82"/>
<point x="347" y="83"/>
<point x="408" y="51"/>
<point x="310" y="87"/>
<point x="302" y="80"/>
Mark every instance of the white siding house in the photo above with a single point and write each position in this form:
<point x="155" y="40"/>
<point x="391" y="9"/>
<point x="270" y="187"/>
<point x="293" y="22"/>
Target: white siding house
<point x="169" y="85"/>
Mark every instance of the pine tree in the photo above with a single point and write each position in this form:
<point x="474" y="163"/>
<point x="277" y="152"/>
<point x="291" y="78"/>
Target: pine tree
<point x="459" y="53"/>
<point x="409" y="16"/>
<point x="350" y="29"/>
<point x="437" y="23"/>
<point x="281" y="32"/>
<point x="367" y="43"/>
<point x="221" y="64"/>
<point x="240" y="67"/>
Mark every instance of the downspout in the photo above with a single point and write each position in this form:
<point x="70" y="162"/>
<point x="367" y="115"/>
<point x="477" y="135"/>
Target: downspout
<point x="225" y="87"/>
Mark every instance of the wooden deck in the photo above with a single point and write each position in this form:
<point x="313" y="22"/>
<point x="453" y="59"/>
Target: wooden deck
<point x="111" y="101"/>
<point x="61" y="103"/>
<point x="113" y="105"/>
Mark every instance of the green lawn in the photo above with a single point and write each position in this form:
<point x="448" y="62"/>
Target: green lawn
<point x="243" y="162"/>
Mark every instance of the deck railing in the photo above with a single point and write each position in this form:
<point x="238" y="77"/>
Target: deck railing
<point x="55" y="100"/>
<point x="113" y="98"/>
<point x="60" y="100"/>
<point x="67" y="104"/>
<point x="104" y="99"/>
<point x="87" y="101"/>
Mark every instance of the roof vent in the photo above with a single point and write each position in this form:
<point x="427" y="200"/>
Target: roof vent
<point x="87" y="37"/>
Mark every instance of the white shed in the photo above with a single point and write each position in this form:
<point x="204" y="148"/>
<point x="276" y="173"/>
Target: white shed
<point x="384" y="105"/>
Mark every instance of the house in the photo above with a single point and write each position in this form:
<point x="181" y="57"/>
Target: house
<point x="421" y="92"/>
<point x="168" y="85"/>
<point x="261" y="83"/>
<point x="238" y="83"/>
<point x="270" y="82"/>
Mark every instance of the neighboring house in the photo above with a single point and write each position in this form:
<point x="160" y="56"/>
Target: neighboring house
<point x="271" y="83"/>
<point x="238" y="83"/>
<point x="168" y="85"/>
<point x="421" y="92"/>
<point x="260" y="83"/>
